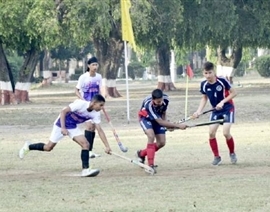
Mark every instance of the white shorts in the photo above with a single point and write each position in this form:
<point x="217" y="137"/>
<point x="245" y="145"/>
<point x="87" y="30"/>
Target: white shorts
<point x="56" y="134"/>
<point x="90" y="120"/>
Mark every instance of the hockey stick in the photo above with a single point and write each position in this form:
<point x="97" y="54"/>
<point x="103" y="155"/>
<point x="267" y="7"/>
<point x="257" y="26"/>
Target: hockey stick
<point x="121" y="146"/>
<point x="219" y="121"/>
<point x="147" y="169"/>
<point x="192" y="117"/>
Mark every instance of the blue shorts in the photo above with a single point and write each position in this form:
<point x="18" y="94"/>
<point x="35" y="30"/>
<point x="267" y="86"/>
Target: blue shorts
<point x="149" y="124"/>
<point x="228" y="116"/>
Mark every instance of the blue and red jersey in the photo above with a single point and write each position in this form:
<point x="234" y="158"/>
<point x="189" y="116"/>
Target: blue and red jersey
<point x="152" y="112"/>
<point x="217" y="91"/>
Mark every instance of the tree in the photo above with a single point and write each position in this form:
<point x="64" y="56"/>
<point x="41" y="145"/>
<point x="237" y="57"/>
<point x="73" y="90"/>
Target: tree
<point x="28" y="27"/>
<point x="6" y="79"/>
<point x="108" y="42"/>
<point x="100" y="22"/>
<point x="234" y="24"/>
<point x="62" y="54"/>
<point x="158" y="34"/>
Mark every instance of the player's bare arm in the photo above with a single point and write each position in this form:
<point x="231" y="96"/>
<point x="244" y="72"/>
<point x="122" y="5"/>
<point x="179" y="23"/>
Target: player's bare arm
<point x="202" y="104"/>
<point x="168" y="124"/>
<point x="164" y="117"/>
<point x="78" y="94"/>
<point x="103" y="138"/>
<point x="230" y="96"/>
<point x="63" y="120"/>
<point x="227" y="99"/>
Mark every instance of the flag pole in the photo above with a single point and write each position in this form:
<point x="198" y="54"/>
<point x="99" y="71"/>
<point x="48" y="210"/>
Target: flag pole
<point x="186" y="97"/>
<point x="126" y="72"/>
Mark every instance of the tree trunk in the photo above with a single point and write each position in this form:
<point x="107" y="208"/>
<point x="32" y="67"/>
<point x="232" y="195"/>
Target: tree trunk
<point x="163" y="58"/>
<point x="109" y="53"/>
<point x="25" y="75"/>
<point x="227" y="65"/>
<point x="7" y="95"/>
<point x="67" y="72"/>
<point x="45" y="65"/>
<point x="45" y="61"/>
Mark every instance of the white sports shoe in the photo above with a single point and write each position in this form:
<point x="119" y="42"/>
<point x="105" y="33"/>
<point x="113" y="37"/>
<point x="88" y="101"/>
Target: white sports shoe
<point x="24" y="150"/>
<point x="90" y="172"/>
<point x="93" y="155"/>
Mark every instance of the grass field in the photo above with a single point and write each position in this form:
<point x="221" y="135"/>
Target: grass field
<point x="50" y="182"/>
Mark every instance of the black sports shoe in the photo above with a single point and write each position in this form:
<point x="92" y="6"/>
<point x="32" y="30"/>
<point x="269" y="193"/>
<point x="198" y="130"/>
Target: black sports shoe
<point x="138" y="155"/>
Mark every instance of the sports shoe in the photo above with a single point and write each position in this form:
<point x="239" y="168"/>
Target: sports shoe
<point x="216" y="161"/>
<point x="24" y="150"/>
<point x="233" y="158"/>
<point x="90" y="172"/>
<point x="93" y="155"/>
<point x="140" y="158"/>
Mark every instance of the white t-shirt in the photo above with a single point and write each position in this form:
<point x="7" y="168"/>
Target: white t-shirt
<point x="89" y="86"/>
<point x="79" y="114"/>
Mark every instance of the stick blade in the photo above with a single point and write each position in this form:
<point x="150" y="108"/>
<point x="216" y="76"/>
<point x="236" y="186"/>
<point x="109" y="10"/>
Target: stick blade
<point x="122" y="147"/>
<point x="149" y="170"/>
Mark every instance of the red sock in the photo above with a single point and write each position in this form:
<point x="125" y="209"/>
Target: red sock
<point x="230" y="144"/>
<point x="214" y="146"/>
<point x="150" y="154"/>
<point x="143" y="152"/>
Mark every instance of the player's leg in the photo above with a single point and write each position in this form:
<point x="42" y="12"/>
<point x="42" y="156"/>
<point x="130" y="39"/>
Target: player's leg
<point x="229" y="120"/>
<point x="149" y="151"/>
<point x="80" y="139"/>
<point x="56" y="135"/>
<point x="161" y="141"/>
<point x="151" y="147"/>
<point x="90" y="134"/>
<point x="160" y="133"/>
<point x="213" y="144"/>
<point x="160" y="138"/>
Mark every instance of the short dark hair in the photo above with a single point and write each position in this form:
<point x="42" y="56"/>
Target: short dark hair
<point x="208" y="66"/>
<point x="157" y="94"/>
<point x="98" y="98"/>
<point x="91" y="60"/>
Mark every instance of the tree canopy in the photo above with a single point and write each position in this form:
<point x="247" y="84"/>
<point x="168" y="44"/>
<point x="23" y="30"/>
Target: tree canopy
<point x="34" y="25"/>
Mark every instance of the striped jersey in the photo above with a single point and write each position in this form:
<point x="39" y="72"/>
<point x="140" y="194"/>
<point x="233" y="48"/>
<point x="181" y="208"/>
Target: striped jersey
<point x="217" y="91"/>
<point x="152" y="112"/>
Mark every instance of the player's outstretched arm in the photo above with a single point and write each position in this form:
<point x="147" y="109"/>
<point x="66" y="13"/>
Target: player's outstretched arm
<point x="168" y="124"/>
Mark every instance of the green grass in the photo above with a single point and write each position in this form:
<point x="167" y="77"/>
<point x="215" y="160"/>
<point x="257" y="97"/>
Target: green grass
<point x="46" y="182"/>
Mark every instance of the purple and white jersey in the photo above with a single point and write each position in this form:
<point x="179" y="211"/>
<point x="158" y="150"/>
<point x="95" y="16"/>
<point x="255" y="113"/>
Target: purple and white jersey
<point x="89" y="86"/>
<point x="79" y="114"/>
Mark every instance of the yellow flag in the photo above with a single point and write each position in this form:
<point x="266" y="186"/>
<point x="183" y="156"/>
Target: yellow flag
<point x="127" y="31"/>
